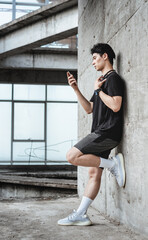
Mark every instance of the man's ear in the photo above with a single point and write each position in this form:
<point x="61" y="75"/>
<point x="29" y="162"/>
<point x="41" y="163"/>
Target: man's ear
<point x="105" y="56"/>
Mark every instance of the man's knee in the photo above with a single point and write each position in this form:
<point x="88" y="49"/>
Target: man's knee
<point x="72" y="155"/>
<point x="95" y="173"/>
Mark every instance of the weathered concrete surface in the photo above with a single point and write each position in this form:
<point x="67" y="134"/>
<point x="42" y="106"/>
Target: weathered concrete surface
<point x="124" y="25"/>
<point x="37" y="15"/>
<point x="36" y="220"/>
<point x="34" y="181"/>
<point x="10" y="191"/>
<point x="42" y="59"/>
<point x="51" y="23"/>
<point x="18" y="182"/>
<point x="45" y="174"/>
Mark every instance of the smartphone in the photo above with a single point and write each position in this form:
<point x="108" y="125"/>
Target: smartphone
<point x="68" y="73"/>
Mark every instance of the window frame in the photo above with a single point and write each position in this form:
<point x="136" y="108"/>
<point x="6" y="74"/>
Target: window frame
<point x="13" y="101"/>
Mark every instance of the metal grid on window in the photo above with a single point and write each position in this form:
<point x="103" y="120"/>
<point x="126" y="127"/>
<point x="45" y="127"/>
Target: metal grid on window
<point x="39" y="150"/>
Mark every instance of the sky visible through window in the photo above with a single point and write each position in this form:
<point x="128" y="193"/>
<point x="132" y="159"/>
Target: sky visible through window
<point x="22" y="7"/>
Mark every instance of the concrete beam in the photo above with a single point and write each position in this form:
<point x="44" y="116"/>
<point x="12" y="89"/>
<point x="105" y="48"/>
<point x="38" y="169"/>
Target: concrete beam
<point x="32" y="76"/>
<point x="53" y="22"/>
<point x="42" y="59"/>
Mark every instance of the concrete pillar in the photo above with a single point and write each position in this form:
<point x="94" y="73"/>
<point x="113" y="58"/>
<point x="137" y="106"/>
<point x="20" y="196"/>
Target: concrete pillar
<point x="124" y="25"/>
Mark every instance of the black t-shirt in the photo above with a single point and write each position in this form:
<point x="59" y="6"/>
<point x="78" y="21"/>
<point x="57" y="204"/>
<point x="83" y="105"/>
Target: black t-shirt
<point x="107" y="123"/>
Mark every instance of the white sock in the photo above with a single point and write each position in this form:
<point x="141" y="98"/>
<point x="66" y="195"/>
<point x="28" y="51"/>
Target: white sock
<point x="106" y="163"/>
<point x="84" y="205"/>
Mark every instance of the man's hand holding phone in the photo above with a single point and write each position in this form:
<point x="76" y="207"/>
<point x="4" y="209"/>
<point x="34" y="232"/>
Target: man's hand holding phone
<point x="72" y="81"/>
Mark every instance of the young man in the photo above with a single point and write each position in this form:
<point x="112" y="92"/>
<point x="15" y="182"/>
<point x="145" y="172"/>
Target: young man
<point x="93" y="150"/>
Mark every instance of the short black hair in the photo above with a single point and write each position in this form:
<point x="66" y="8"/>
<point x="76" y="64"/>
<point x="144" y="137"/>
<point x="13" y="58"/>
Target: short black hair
<point x="102" y="48"/>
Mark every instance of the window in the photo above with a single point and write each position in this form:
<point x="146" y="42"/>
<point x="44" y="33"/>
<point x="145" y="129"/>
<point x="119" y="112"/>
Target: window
<point x="10" y="10"/>
<point x="29" y="121"/>
<point x="38" y="123"/>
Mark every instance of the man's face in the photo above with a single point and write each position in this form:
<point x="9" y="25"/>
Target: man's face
<point x="98" y="61"/>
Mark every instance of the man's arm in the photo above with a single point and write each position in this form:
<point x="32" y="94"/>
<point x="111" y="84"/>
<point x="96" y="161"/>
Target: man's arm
<point x="114" y="103"/>
<point x="88" y="106"/>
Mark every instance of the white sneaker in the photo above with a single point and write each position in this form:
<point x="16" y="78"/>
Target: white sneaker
<point x="118" y="170"/>
<point x="75" y="219"/>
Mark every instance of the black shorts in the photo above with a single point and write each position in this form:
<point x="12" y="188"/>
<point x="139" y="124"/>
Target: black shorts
<point x="95" y="144"/>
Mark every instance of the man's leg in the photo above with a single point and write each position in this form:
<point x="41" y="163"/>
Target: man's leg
<point x="91" y="189"/>
<point x="94" y="182"/>
<point x="115" y="165"/>
<point x="77" y="158"/>
<point x="79" y="217"/>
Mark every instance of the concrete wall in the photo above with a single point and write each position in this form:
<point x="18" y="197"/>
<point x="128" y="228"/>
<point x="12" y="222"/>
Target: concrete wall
<point x="124" y="25"/>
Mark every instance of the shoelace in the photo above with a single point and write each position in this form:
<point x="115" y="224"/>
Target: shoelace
<point x="72" y="215"/>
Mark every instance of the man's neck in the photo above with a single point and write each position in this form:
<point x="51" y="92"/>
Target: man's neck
<point x="105" y="70"/>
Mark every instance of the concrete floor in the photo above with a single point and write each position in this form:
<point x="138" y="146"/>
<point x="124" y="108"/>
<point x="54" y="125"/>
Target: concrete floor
<point x="37" y="219"/>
